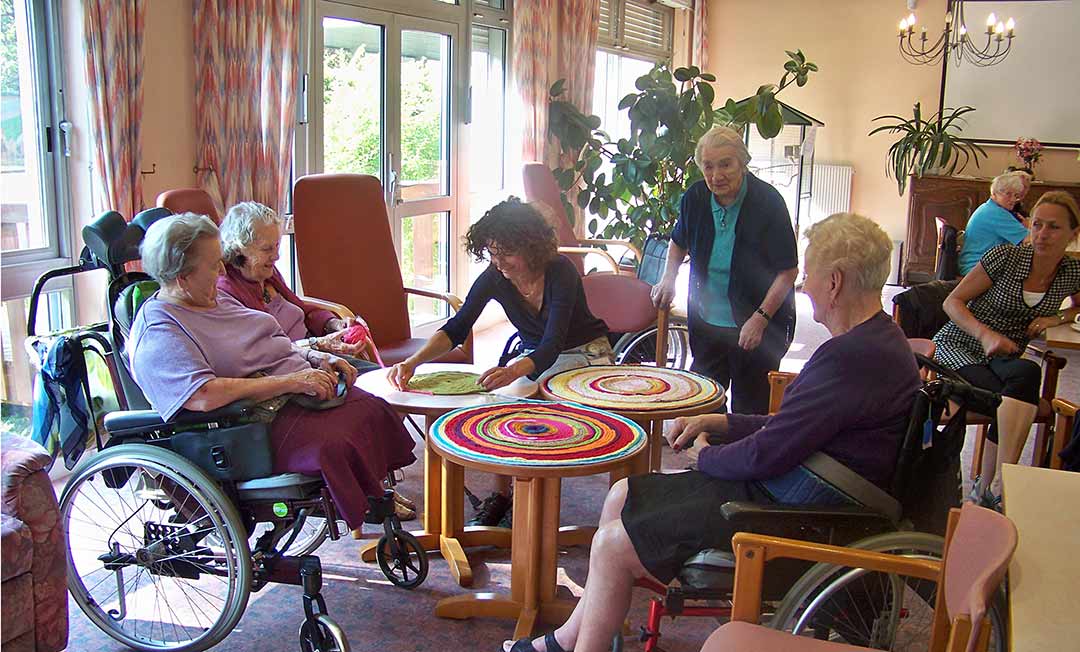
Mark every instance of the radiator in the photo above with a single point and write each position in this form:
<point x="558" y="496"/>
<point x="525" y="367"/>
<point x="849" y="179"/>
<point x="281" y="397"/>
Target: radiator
<point x="831" y="191"/>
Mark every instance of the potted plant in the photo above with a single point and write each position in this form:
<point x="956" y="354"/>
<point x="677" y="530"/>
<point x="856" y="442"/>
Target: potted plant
<point x="648" y="171"/>
<point x="928" y="145"/>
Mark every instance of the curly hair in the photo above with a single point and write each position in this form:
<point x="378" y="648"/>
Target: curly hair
<point x="516" y="228"/>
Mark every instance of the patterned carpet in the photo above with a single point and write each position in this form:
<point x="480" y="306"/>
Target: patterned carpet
<point x="378" y="616"/>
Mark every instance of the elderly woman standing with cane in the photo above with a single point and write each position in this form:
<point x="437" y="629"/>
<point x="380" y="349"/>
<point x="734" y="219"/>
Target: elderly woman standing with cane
<point x="743" y="264"/>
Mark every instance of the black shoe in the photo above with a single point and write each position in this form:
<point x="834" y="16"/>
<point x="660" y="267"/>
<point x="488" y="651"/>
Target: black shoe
<point x="507" y="520"/>
<point x="491" y="510"/>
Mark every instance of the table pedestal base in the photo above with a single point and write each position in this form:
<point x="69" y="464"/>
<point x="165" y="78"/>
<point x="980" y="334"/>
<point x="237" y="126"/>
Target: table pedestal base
<point x="535" y="542"/>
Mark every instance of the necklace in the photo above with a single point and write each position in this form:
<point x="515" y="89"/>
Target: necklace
<point x="528" y="294"/>
<point x="266" y="294"/>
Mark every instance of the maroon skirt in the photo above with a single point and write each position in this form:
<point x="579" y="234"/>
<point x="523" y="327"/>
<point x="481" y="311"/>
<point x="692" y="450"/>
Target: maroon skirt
<point x="353" y="446"/>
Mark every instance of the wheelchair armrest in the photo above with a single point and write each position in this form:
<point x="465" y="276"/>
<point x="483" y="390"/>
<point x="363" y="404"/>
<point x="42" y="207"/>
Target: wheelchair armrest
<point x="767" y="519"/>
<point x="128" y="422"/>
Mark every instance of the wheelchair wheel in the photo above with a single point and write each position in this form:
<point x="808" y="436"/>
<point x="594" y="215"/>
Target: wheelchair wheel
<point x="872" y="609"/>
<point x="322" y="634"/>
<point x="147" y="571"/>
<point x="403" y="560"/>
<point x="640" y="347"/>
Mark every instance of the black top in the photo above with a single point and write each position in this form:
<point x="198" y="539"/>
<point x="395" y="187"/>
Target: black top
<point x="564" y="321"/>
<point x="764" y="247"/>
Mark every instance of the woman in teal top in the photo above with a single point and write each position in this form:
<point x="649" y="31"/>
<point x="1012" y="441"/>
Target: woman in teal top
<point x="993" y="223"/>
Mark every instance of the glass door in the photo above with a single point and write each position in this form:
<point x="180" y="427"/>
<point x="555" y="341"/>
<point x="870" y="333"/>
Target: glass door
<point x="385" y="104"/>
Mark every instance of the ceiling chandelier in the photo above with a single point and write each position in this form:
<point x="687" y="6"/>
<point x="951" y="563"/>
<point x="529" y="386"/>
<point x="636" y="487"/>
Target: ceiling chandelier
<point x="955" y="41"/>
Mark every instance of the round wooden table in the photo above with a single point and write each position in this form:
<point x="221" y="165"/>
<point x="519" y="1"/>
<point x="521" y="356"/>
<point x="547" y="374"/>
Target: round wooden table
<point x="444" y="496"/>
<point x="538" y="443"/>
<point x="647" y="395"/>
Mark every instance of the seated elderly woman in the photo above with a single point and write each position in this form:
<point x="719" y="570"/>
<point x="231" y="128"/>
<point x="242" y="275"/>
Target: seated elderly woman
<point x="251" y="240"/>
<point x="192" y="347"/>
<point x="994" y="223"/>
<point x="1012" y="295"/>
<point x="851" y="401"/>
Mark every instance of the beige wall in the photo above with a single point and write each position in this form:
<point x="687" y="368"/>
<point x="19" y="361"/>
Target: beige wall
<point x="168" y="129"/>
<point x="861" y="76"/>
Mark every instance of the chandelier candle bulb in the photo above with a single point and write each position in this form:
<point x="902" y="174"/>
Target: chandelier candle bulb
<point x="1011" y="27"/>
<point x="990" y="20"/>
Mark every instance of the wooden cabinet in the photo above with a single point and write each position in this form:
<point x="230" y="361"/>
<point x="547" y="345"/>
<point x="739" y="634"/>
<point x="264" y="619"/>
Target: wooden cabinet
<point x="952" y="199"/>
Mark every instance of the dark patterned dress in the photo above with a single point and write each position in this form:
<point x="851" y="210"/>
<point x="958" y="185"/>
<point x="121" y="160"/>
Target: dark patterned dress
<point x="1002" y="307"/>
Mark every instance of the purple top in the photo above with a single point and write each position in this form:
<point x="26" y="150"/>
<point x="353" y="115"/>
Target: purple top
<point x="289" y="316"/>
<point x="249" y="293"/>
<point x="176" y="350"/>
<point x="851" y="401"/>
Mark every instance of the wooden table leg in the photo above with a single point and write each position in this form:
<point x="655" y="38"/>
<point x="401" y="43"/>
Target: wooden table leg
<point x="453" y="522"/>
<point x="533" y="561"/>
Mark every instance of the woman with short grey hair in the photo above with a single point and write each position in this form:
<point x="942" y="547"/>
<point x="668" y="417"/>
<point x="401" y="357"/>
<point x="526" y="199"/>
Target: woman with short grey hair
<point x="164" y="251"/>
<point x="994" y="222"/>
<point x="743" y="264"/>
<point x="196" y="349"/>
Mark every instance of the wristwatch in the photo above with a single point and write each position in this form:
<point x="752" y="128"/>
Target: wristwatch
<point x="1061" y="317"/>
<point x="764" y="314"/>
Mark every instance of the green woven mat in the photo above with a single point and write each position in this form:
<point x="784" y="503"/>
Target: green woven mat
<point x="447" y="383"/>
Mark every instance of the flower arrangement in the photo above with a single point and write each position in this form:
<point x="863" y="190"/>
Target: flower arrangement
<point x="1028" y="151"/>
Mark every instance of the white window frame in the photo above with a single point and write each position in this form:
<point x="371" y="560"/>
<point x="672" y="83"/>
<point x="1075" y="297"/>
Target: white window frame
<point x="22" y="268"/>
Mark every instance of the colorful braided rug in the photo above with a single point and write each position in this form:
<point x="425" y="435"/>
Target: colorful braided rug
<point x="632" y="388"/>
<point x="537" y="433"/>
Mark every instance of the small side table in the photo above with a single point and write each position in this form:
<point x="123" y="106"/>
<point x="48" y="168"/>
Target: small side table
<point x="647" y="395"/>
<point x="441" y="496"/>
<point x="538" y="443"/>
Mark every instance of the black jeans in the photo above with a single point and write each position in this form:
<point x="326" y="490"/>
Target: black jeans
<point x="1012" y="377"/>
<point x="744" y="373"/>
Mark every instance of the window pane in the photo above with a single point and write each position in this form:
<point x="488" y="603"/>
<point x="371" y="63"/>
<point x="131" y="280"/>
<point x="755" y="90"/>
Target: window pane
<point x="494" y="4"/>
<point x="424" y="242"/>
<point x="352" y="97"/>
<point x="22" y="215"/>
<point x="425" y="119"/>
<point x="486" y="133"/>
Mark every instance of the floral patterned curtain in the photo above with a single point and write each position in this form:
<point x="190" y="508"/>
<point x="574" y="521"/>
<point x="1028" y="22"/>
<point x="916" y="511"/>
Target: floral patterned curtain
<point x="114" y="66"/>
<point x="699" y="54"/>
<point x="245" y="98"/>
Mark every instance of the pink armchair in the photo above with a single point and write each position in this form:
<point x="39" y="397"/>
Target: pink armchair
<point x="34" y="589"/>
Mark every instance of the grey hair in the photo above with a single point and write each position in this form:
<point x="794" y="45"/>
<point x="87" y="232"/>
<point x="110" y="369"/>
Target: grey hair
<point x="853" y="244"/>
<point x="238" y="227"/>
<point x="1010" y="181"/>
<point x="719" y="137"/>
<point x="167" y="243"/>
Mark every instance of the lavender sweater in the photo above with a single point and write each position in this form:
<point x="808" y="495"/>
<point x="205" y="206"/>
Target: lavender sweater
<point x="852" y="401"/>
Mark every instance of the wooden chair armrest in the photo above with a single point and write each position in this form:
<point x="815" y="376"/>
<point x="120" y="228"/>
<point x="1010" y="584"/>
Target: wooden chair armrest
<point x="752" y="551"/>
<point x="592" y="250"/>
<point x="341" y="311"/>
<point x="1064" y="420"/>
<point x="615" y="243"/>
<point x="452" y="299"/>
<point x="778" y="383"/>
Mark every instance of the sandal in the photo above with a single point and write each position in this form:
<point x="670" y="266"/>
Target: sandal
<point x="525" y="644"/>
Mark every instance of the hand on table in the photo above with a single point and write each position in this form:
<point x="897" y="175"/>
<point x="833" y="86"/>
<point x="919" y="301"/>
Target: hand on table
<point x="1039" y="325"/>
<point x="400" y="375"/>
<point x="497" y="377"/>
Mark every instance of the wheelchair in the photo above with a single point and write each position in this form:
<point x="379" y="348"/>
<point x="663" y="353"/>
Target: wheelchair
<point x="173" y="524"/>
<point x="852" y="606"/>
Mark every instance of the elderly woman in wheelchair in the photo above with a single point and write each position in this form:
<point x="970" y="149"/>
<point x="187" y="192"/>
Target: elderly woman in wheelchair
<point x="178" y="493"/>
<point x="836" y="436"/>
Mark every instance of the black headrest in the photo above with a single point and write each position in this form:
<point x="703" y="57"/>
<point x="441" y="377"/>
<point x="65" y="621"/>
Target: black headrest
<point x="104" y="236"/>
<point x="113" y="241"/>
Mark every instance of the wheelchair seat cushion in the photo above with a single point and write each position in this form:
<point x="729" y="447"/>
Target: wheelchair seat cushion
<point x="709" y="569"/>
<point x="283" y="486"/>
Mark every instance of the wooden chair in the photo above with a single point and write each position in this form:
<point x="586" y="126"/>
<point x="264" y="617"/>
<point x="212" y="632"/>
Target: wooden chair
<point x="541" y="188"/>
<point x="1064" y="422"/>
<point x="345" y="252"/>
<point x="189" y="200"/>
<point x="979" y="544"/>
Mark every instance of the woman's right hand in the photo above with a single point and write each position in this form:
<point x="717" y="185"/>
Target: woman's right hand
<point x="994" y="343"/>
<point x="400" y="374"/>
<point x="314" y="382"/>
<point x="684" y="430"/>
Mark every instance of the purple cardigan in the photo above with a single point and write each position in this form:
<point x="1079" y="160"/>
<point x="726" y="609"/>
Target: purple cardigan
<point x="247" y="293"/>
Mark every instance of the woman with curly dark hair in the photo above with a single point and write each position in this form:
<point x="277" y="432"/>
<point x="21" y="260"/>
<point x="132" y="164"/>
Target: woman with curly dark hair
<point x="543" y="298"/>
